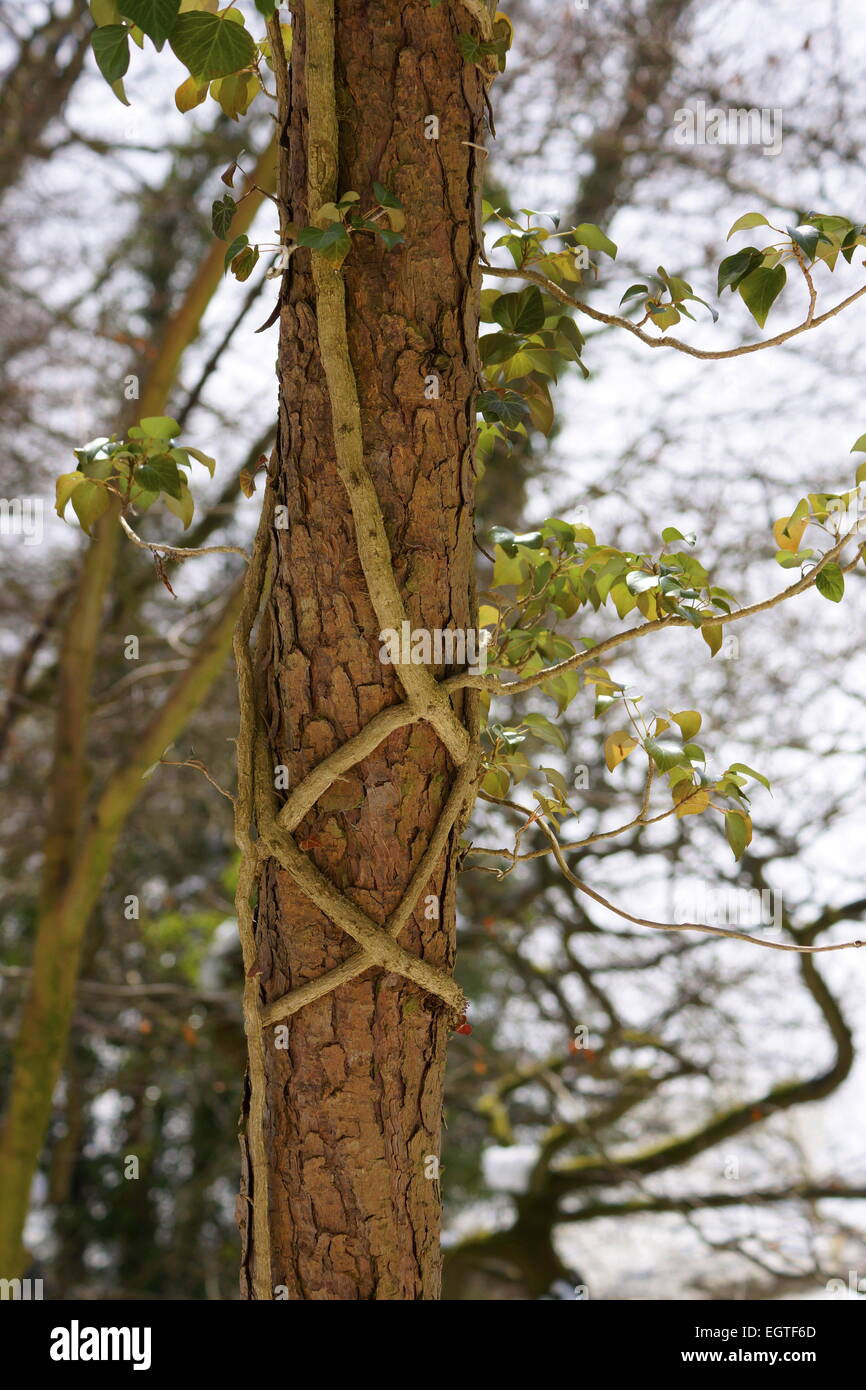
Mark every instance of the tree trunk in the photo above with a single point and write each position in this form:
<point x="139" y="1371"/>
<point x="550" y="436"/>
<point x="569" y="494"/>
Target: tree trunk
<point x="353" y="1087"/>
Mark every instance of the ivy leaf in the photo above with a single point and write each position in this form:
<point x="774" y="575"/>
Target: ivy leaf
<point x="617" y="747"/>
<point x="712" y="635"/>
<point x="391" y="239"/>
<point x="160" y="426"/>
<point x="496" y="348"/>
<point x="638" y="582"/>
<point x="160" y="474"/>
<point x="540" y="405"/>
<point x="211" y="46"/>
<point x="689" y="800"/>
<point x="563" y="689"/>
<point x="671" y="534"/>
<point x="237" y="245"/>
<point x="509" y="408"/>
<point x="544" y="729"/>
<point x="830" y="582"/>
<point x="738" y="828"/>
<point x="155" y="17"/>
<point x="332" y="241"/>
<point x="807" y="239"/>
<point x="267" y="7"/>
<point x="666" y="753"/>
<point x="111" y="50"/>
<point x="89" y="502"/>
<point x="760" y="289"/>
<point x="568" y="329"/>
<point x="183" y="506"/>
<point x="66" y="485"/>
<point x="245" y="263"/>
<point x="190" y="94"/>
<point x="689" y="721"/>
<point x="235" y="93"/>
<point x="663" y="315"/>
<point x="496" y="782"/>
<point x="594" y="239"/>
<point x="502" y="536"/>
<point x="633" y="290"/>
<point x="749" y="219"/>
<point x="222" y="213"/>
<point x="735" y="268"/>
<point x="520" y="313"/>
<point x="750" y="772"/>
<point x="386" y="199"/>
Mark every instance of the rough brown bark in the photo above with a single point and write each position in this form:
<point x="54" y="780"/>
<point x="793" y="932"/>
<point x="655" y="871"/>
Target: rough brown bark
<point x="354" y="1104"/>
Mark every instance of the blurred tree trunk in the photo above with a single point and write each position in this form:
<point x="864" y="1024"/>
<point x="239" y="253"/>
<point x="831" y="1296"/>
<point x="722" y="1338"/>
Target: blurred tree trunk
<point x="354" y="1102"/>
<point x="82" y="829"/>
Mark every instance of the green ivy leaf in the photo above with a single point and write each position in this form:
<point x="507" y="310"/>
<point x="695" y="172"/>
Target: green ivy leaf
<point x="520" y="313"/>
<point x="634" y="290"/>
<point x="738" y="828"/>
<point x="735" y="268"/>
<point x="66" y="485"/>
<point x="594" y="239"/>
<point x="689" y="721"/>
<point x="245" y="263"/>
<point x="155" y="17"/>
<point x="830" y="582"/>
<point x="391" y="239"/>
<point x="712" y="635"/>
<point x="807" y="238"/>
<point x="638" y="582"/>
<point x="89" y="501"/>
<point x="160" y="474"/>
<point x="160" y="426"/>
<point x="749" y="219"/>
<point x="563" y="689"/>
<point x="237" y="245"/>
<point x="384" y="198"/>
<point x="332" y="242"/>
<point x="222" y="214"/>
<point x="750" y="772"/>
<point x="111" y="50"/>
<point x="183" y="506"/>
<point x="211" y="46"/>
<point x="508" y="407"/>
<point x="760" y="289"/>
<point x="544" y="729"/>
<point x="666" y="753"/>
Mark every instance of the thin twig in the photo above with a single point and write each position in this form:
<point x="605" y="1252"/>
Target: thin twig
<point x="177" y="552"/>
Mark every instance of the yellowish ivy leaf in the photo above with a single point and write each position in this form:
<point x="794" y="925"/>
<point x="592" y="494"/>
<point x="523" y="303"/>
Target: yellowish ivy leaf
<point x="617" y="747"/>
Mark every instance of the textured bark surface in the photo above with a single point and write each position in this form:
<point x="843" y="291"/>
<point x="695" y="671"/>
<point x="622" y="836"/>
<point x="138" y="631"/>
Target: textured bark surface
<point x="354" y="1104"/>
